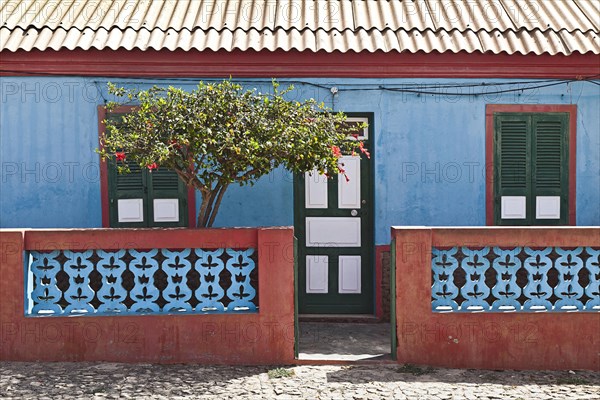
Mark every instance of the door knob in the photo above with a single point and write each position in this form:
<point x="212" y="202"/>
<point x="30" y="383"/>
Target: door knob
<point x="354" y="213"/>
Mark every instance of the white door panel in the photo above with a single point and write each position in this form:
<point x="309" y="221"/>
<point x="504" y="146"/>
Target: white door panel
<point x="349" y="274"/>
<point x="332" y="232"/>
<point x="315" y="192"/>
<point x="317" y="274"/>
<point x="349" y="190"/>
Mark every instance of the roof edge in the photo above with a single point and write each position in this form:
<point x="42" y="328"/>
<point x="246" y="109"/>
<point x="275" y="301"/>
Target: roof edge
<point x="269" y="64"/>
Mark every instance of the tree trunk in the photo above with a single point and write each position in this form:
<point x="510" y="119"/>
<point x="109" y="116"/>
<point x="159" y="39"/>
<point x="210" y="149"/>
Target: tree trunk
<point x="203" y="208"/>
<point x="217" y="203"/>
<point x="211" y="200"/>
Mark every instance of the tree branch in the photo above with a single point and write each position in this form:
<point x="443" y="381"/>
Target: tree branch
<point x="213" y="193"/>
<point x="247" y="173"/>
<point x="205" y="199"/>
<point x="217" y="204"/>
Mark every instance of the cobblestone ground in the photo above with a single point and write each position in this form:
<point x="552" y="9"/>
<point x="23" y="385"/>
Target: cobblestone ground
<point x="144" y="381"/>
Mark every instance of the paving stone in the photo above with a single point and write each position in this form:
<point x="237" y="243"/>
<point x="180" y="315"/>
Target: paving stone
<point x="327" y="382"/>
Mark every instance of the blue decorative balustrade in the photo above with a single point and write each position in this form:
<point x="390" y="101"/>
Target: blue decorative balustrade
<point x="519" y="279"/>
<point x="127" y="282"/>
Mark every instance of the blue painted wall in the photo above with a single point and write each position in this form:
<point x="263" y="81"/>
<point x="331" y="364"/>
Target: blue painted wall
<point x="50" y="172"/>
<point x="429" y="151"/>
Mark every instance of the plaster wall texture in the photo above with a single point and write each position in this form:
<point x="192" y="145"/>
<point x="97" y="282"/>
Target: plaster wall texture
<point x="429" y="149"/>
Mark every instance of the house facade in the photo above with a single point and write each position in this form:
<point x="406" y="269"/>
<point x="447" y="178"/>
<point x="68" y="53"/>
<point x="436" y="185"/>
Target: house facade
<point x="480" y="113"/>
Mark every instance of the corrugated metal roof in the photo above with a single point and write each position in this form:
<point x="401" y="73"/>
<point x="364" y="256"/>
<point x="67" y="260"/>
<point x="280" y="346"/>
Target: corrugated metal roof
<point x="511" y="26"/>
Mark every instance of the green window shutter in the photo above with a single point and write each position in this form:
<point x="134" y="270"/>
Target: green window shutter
<point x="167" y="194"/>
<point x="128" y="205"/>
<point x="512" y="169"/>
<point x="531" y="165"/>
<point x="550" y="169"/>
<point x="143" y="197"/>
<point x="127" y="197"/>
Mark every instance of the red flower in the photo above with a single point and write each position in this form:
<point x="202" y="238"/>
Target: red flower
<point x="120" y="156"/>
<point x="336" y="151"/>
<point x="152" y="167"/>
<point x="174" y="143"/>
<point x="343" y="172"/>
<point x="355" y="135"/>
<point x="363" y="150"/>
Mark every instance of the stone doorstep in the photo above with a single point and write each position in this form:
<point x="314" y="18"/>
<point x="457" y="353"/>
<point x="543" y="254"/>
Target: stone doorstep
<point x="335" y="342"/>
<point x="340" y="318"/>
<point x="328" y="359"/>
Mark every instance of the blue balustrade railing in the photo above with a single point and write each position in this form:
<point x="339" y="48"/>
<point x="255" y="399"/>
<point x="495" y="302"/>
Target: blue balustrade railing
<point x="519" y="279"/>
<point x="156" y="281"/>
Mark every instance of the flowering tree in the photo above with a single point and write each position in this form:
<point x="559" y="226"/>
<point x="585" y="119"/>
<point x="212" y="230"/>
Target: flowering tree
<point x="220" y="134"/>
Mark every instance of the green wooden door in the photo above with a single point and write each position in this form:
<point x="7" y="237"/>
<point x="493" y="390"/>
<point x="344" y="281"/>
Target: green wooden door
<point x="333" y="221"/>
